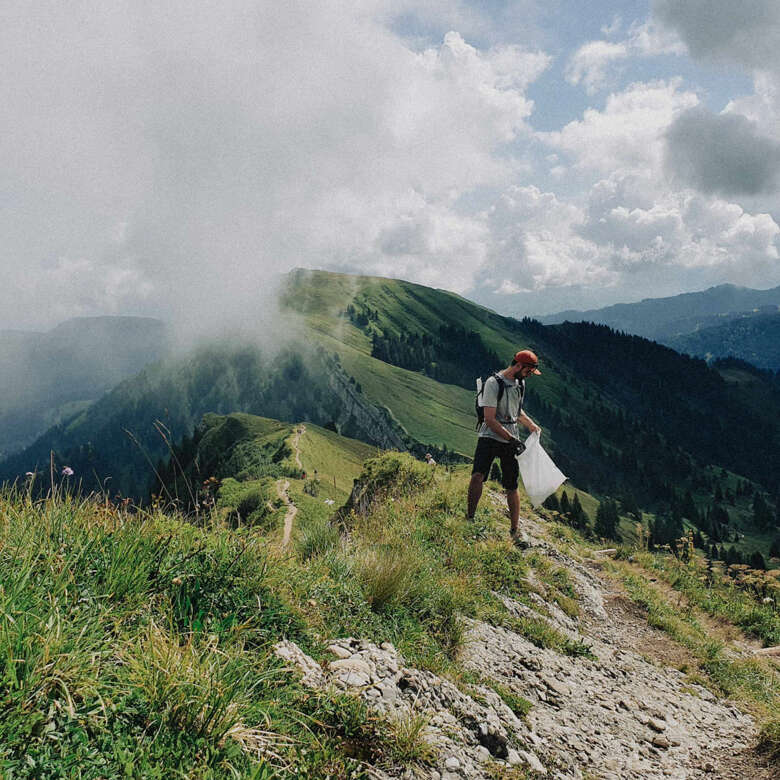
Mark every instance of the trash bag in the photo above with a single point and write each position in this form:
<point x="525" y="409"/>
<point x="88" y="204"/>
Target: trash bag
<point x="541" y="476"/>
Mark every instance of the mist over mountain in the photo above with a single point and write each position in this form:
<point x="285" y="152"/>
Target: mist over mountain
<point x="47" y="376"/>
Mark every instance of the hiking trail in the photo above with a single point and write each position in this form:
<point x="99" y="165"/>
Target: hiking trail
<point x="282" y="486"/>
<point x="625" y="712"/>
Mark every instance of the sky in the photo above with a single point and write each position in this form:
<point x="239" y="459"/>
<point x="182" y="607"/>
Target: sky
<point x="172" y="159"/>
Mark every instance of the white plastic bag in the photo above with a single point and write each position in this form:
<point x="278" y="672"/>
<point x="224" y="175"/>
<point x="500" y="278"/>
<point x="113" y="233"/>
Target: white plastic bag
<point x="541" y="476"/>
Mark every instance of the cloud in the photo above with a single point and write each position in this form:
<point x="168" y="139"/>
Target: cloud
<point x="724" y="154"/>
<point x="588" y="65"/>
<point x="535" y="244"/>
<point x="724" y="31"/>
<point x="629" y="132"/>
<point x="185" y="153"/>
<point x="594" y="64"/>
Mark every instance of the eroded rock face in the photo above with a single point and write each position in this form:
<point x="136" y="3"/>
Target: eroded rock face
<point x="617" y="717"/>
<point x="467" y="733"/>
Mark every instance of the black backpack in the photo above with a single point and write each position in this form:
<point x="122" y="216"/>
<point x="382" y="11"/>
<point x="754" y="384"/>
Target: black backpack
<point x="480" y="410"/>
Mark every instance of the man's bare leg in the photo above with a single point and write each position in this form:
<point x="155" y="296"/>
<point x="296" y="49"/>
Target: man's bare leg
<point x="475" y="493"/>
<point x="513" y="502"/>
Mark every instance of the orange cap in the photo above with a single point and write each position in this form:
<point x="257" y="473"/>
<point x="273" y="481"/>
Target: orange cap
<point x="527" y="358"/>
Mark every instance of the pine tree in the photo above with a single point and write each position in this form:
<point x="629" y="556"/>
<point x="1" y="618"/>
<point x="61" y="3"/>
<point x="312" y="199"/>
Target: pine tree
<point x="762" y="515"/>
<point x="606" y="520"/>
<point x="757" y="561"/>
<point x="688" y="508"/>
<point x="565" y="506"/>
<point x="578" y="516"/>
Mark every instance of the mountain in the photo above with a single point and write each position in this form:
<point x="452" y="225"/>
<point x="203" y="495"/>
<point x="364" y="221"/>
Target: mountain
<point x="753" y="337"/>
<point x="393" y="364"/>
<point x="661" y="319"/>
<point x="47" y="376"/>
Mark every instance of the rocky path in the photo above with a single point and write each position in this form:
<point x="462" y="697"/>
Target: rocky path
<point x="625" y="715"/>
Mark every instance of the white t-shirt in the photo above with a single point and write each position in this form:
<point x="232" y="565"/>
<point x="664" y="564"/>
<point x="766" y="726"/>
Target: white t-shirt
<point x="508" y="410"/>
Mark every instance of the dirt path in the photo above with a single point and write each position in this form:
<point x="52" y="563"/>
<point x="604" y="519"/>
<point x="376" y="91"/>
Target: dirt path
<point x="627" y="624"/>
<point x="635" y="682"/>
<point x="282" y="486"/>
<point x="296" y="446"/>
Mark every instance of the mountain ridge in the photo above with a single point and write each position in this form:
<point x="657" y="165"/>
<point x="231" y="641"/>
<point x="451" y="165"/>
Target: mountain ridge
<point x="658" y="318"/>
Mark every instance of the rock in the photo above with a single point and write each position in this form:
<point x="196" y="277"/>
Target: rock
<point x="452" y="764"/>
<point x="352" y="671"/>
<point x="533" y="761"/>
<point x="313" y="676"/>
<point x="660" y="741"/>
<point x="513" y="758"/>
<point x="656" y="725"/>
<point x="340" y="651"/>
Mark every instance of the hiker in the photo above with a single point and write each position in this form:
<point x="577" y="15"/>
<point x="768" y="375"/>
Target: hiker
<point x="429" y="459"/>
<point x="502" y="408"/>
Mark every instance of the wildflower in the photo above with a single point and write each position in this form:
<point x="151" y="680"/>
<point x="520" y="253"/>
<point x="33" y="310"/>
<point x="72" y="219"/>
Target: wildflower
<point x="177" y="580"/>
<point x="67" y="471"/>
<point x="29" y="473"/>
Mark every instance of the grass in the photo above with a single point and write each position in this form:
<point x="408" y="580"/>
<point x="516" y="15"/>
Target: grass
<point x="720" y="598"/>
<point x="138" y="643"/>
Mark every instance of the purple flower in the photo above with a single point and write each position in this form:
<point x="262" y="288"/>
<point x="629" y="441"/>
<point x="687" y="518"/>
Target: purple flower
<point x="67" y="471"/>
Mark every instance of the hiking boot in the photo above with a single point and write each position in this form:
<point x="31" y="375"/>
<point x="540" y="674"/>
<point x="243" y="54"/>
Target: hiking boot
<point x="520" y="539"/>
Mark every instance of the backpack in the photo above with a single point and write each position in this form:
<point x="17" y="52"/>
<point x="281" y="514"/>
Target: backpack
<point x="480" y="410"/>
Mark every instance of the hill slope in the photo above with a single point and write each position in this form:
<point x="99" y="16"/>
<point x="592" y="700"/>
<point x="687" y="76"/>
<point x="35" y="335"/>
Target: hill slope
<point x="754" y="338"/>
<point x="403" y="640"/>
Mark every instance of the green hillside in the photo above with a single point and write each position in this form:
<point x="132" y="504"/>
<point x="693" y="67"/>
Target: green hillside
<point x="234" y="462"/>
<point x="393" y="364"/>
<point x="47" y="377"/>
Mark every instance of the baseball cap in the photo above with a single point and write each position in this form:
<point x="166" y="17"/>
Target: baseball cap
<point x="527" y="358"/>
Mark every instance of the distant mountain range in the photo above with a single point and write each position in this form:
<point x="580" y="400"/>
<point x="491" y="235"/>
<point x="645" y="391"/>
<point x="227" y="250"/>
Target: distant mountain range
<point x="753" y="337"/>
<point x="47" y="376"/>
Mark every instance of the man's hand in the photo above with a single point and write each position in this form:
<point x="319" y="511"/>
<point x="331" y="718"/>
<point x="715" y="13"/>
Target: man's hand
<point x="517" y="445"/>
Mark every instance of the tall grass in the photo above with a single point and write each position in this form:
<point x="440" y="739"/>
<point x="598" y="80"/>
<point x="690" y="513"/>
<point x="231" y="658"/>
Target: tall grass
<point x="124" y="642"/>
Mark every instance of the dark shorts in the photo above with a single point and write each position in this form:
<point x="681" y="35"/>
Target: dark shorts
<point x="490" y="449"/>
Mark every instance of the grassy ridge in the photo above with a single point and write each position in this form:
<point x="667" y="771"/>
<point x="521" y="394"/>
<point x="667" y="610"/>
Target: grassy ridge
<point x="139" y="643"/>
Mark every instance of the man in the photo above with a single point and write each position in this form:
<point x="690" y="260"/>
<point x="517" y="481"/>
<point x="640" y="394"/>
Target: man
<point x="498" y="434"/>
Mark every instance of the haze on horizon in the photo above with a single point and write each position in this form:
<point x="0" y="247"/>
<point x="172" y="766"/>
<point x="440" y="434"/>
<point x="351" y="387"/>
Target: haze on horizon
<point x="173" y="161"/>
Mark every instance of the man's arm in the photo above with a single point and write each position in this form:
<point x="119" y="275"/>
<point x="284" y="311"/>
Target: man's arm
<point x="526" y="421"/>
